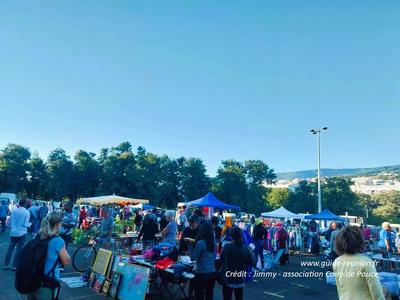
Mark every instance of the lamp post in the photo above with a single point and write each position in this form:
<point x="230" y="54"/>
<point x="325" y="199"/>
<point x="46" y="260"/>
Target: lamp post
<point x="318" y="132"/>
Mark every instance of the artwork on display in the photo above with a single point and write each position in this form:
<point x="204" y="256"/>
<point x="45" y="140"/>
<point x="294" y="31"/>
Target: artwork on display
<point x="106" y="287"/>
<point x="91" y="278"/>
<point x="102" y="260"/>
<point x="134" y="281"/>
<point x="110" y="266"/>
<point x="116" y="261"/>
<point x="115" y="280"/>
<point x="98" y="283"/>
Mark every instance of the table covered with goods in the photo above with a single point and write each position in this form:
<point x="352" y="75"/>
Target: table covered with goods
<point x="141" y="272"/>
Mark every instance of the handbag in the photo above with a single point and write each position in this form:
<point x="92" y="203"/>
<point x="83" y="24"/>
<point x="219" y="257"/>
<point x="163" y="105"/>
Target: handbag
<point x="221" y="275"/>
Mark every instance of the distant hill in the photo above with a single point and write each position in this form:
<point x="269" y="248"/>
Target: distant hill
<point x="337" y="172"/>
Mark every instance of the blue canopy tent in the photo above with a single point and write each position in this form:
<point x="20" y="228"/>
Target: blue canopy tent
<point x="326" y="215"/>
<point x="209" y="200"/>
<point x="143" y="206"/>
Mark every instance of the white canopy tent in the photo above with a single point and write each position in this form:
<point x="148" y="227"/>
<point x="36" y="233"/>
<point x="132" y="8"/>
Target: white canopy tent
<point x="281" y="212"/>
<point x="111" y="199"/>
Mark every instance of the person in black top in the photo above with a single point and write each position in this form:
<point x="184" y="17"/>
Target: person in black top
<point x="163" y="222"/>
<point x="259" y="233"/>
<point x="138" y="221"/>
<point x="148" y="231"/>
<point x="189" y="235"/>
<point x="235" y="257"/>
<point x="217" y="231"/>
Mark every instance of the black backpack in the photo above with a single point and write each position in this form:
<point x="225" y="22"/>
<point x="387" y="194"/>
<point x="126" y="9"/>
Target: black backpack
<point x="29" y="276"/>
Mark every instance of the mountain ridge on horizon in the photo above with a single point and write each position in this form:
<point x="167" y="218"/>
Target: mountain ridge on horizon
<point x="331" y="172"/>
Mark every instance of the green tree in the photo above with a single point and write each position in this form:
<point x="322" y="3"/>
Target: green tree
<point x="242" y="184"/>
<point x="118" y="172"/>
<point x="304" y="199"/>
<point x="277" y="197"/>
<point x="167" y="183"/>
<point x="230" y="183"/>
<point x="61" y="175"/>
<point x="193" y="180"/>
<point x="14" y="168"/>
<point x="148" y="175"/>
<point x="257" y="174"/>
<point x="338" y="197"/>
<point x="388" y="208"/>
<point x="87" y="174"/>
<point x="37" y="178"/>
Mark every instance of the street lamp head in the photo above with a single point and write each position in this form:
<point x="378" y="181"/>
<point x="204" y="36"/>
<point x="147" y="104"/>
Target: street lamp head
<point x="312" y="130"/>
<point x="325" y="128"/>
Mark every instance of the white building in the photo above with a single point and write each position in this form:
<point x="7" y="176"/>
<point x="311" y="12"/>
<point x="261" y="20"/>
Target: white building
<point x="372" y="186"/>
<point x="284" y="184"/>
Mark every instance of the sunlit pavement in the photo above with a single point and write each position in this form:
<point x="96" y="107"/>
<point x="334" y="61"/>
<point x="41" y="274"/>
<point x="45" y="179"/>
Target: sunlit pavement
<point x="266" y="288"/>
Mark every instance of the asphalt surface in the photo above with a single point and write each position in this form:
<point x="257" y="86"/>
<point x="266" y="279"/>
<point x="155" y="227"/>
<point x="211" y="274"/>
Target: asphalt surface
<point x="280" y="287"/>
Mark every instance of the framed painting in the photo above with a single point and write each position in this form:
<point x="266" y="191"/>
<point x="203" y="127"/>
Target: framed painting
<point x="114" y="284"/>
<point x="106" y="287"/>
<point x="91" y="278"/>
<point x="98" y="283"/>
<point x="102" y="261"/>
<point x="134" y="281"/>
<point x="110" y="266"/>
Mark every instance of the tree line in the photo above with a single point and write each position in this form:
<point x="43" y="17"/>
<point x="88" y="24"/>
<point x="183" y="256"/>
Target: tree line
<point x="165" y="181"/>
<point x="131" y="173"/>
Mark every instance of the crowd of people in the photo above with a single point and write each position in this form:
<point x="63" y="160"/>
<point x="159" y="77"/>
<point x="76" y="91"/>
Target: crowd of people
<point x="240" y="245"/>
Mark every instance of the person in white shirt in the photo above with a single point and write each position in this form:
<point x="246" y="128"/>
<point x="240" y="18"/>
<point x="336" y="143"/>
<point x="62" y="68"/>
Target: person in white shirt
<point x="19" y="227"/>
<point x="50" y="207"/>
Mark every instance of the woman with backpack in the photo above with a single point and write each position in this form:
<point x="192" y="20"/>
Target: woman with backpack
<point x="56" y="255"/>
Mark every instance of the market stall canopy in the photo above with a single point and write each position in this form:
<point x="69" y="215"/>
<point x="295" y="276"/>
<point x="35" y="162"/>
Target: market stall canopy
<point x="111" y="199"/>
<point x="326" y="215"/>
<point x="210" y="200"/>
<point x="143" y="206"/>
<point x="281" y="212"/>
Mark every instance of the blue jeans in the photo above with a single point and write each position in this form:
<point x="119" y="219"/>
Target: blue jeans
<point x="19" y="242"/>
<point x="259" y="251"/>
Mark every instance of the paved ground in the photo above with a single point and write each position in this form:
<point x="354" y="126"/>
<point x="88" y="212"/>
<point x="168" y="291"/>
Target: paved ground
<point x="261" y="288"/>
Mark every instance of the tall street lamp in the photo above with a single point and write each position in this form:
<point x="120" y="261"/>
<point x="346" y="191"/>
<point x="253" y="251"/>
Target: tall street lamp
<point x="318" y="132"/>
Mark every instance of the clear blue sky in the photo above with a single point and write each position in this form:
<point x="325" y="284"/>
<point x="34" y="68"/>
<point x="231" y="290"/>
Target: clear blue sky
<point x="241" y="80"/>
